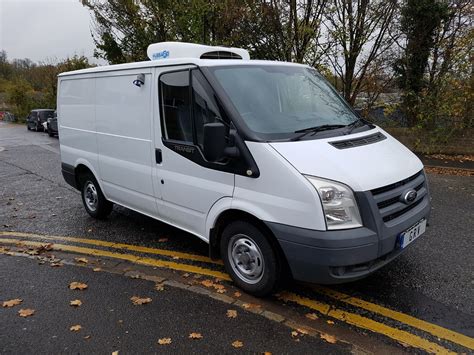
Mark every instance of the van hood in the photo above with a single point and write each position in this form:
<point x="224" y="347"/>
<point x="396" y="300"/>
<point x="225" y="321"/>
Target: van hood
<point x="363" y="167"/>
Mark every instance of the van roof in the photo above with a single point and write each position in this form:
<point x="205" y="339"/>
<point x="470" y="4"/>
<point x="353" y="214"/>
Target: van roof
<point x="177" y="61"/>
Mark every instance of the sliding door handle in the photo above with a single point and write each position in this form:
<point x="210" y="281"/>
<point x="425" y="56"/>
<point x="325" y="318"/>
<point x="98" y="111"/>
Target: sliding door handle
<point x="158" y="156"/>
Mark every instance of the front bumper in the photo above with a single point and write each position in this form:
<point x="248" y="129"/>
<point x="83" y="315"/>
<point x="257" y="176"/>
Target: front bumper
<point x="339" y="256"/>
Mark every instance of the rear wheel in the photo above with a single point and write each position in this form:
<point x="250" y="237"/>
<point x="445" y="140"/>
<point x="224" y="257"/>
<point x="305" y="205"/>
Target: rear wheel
<point x="250" y="259"/>
<point x="93" y="199"/>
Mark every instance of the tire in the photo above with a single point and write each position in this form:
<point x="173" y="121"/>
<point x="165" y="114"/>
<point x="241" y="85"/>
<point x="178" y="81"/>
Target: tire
<point x="28" y="127"/>
<point x="93" y="199"/>
<point x="50" y="133"/>
<point x="260" y="277"/>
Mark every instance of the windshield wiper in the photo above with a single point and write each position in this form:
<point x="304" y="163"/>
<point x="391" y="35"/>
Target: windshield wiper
<point x="316" y="129"/>
<point x="357" y="123"/>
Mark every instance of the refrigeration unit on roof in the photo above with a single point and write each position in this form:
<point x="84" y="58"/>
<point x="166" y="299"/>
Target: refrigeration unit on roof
<point x="173" y="50"/>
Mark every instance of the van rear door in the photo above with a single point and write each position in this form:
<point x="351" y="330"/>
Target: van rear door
<point x="190" y="185"/>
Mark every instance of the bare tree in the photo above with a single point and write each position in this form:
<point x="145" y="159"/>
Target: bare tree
<point x="360" y="32"/>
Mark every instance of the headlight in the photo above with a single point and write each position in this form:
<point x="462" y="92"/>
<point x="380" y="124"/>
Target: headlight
<point x="339" y="204"/>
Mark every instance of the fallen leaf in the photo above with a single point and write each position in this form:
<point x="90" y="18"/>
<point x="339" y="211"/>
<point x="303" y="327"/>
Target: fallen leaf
<point x="96" y="269"/>
<point x="164" y="341"/>
<point x="115" y="353"/>
<point x="56" y="264"/>
<point x="6" y="226"/>
<point x="237" y="344"/>
<point x="12" y="303"/>
<point x="231" y="313"/>
<point x="26" y="312"/>
<point x="221" y="290"/>
<point x="294" y="334"/>
<point x="75" y="303"/>
<point x="77" y="286"/>
<point x="89" y="230"/>
<point x="207" y="283"/>
<point x="330" y="322"/>
<point x="237" y="294"/>
<point x="75" y="328"/>
<point x="163" y="240"/>
<point x="139" y="301"/>
<point x="87" y="337"/>
<point x="160" y="287"/>
<point x="195" y="336"/>
<point x="81" y="260"/>
<point x="302" y="331"/>
<point x="329" y="338"/>
<point x="250" y="306"/>
<point x="185" y="274"/>
<point x="312" y="316"/>
<point x="175" y="258"/>
<point x="267" y="353"/>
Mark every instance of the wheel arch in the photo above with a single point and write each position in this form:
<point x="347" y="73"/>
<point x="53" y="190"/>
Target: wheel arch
<point x="82" y="167"/>
<point x="233" y="214"/>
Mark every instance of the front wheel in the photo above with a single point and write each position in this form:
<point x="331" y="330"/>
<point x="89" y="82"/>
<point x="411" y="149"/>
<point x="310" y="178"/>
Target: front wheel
<point x="93" y="199"/>
<point x="250" y="259"/>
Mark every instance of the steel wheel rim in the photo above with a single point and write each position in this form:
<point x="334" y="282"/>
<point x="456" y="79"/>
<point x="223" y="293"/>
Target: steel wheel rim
<point x="246" y="258"/>
<point x="90" y="196"/>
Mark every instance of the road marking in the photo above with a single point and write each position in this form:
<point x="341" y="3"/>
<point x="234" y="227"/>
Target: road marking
<point x="366" y="323"/>
<point x="119" y="246"/>
<point x="347" y="317"/>
<point x="433" y="329"/>
<point x="129" y="257"/>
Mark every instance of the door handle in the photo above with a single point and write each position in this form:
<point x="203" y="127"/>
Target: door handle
<point x="158" y="156"/>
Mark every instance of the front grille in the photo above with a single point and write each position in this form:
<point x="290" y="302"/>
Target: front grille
<point x="357" y="142"/>
<point x="389" y="198"/>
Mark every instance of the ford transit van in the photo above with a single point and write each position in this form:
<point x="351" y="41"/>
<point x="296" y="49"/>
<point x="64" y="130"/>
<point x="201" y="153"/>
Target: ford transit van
<point x="263" y="160"/>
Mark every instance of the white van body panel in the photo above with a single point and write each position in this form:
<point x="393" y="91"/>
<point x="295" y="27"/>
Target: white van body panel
<point x="76" y="115"/>
<point x="280" y="194"/>
<point x="124" y="139"/>
<point x="362" y="168"/>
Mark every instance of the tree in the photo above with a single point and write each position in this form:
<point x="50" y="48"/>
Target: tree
<point x="281" y="30"/>
<point x="361" y="33"/>
<point x="420" y="22"/>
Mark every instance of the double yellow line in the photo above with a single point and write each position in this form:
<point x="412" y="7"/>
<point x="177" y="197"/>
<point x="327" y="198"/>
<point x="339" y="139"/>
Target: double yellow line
<point x="323" y="308"/>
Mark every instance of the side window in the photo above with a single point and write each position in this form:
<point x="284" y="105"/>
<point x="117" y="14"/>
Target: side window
<point x="176" y="108"/>
<point x="205" y="108"/>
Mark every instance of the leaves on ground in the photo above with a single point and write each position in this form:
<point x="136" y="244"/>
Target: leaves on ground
<point x="75" y="303"/>
<point x="77" y="286"/>
<point x="448" y="171"/>
<point x="115" y="352"/>
<point x="26" y="312"/>
<point x="164" y="341"/>
<point x="231" y="313"/>
<point x="160" y="286"/>
<point x="56" y="264"/>
<point x="237" y="294"/>
<point x="87" y="337"/>
<point x="302" y="331"/>
<point x="75" y="328"/>
<point x="195" y="336"/>
<point x="218" y="287"/>
<point x="294" y="334"/>
<point x="251" y="306"/>
<point x="81" y="260"/>
<point x="312" y="316"/>
<point x="329" y="338"/>
<point x="237" y="344"/>
<point x="330" y="322"/>
<point x="186" y="274"/>
<point x="12" y="303"/>
<point x="96" y="269"/>
<point x="139" y="301"/>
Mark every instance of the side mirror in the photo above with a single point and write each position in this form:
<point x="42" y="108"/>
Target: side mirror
<point x="214" y="142"/>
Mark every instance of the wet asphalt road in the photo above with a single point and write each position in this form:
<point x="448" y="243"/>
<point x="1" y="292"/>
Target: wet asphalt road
<point x="433" y="280"/>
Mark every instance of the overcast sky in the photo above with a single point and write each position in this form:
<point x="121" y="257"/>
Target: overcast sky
<point x="43" y="29"/>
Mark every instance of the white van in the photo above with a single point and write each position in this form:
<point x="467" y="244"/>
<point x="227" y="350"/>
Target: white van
<point x="263" y="160"/>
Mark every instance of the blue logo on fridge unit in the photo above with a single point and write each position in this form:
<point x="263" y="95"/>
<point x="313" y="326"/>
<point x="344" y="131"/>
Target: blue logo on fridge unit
<point x="161" y="55"/>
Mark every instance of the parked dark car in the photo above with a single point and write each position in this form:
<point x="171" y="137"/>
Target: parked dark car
<point x="52" y="125"/>
<point x="36" y="118"/>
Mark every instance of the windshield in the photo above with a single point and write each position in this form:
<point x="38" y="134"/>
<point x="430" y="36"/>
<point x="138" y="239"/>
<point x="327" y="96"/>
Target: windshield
<point x="280" y="100"/>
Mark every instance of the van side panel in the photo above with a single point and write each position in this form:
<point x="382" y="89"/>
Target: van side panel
<point x="124" y="138"/>
<point x="76" y="118"/>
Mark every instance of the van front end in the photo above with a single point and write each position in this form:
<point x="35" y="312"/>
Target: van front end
<point x="392" y="217"/>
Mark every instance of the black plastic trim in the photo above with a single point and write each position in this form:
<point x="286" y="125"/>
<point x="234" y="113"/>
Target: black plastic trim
<point x="69" y="174"/>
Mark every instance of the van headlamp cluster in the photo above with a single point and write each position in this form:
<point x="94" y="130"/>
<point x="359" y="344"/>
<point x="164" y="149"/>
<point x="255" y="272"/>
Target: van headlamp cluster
<point x="339" y="204"/>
